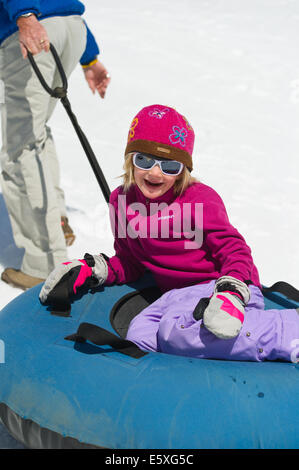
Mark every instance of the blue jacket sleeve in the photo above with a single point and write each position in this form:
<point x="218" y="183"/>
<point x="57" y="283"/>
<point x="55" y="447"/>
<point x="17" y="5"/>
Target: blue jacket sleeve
<point x="15" y="8"/>
<point x="91" y="50"/>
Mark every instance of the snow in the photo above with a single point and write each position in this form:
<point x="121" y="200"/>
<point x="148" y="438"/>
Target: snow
<point x="232" y="68"/>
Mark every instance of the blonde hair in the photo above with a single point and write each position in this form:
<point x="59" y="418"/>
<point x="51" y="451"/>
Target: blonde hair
<point x="180" y="185"/>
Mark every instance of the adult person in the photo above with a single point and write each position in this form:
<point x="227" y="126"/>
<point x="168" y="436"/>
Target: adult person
<point x="30" y="169"/>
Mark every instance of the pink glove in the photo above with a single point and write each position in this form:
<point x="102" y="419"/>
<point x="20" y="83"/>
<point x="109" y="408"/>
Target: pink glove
<point x="67" y="277"/>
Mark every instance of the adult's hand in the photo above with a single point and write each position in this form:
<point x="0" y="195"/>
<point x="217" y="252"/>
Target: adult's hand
<point x="32" y="36"/>
<point x="97" y="78"/>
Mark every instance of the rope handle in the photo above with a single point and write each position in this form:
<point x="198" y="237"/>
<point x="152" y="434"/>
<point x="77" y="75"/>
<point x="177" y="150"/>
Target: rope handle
<point x="61" y="93"/>
<point x="58" y="92"/>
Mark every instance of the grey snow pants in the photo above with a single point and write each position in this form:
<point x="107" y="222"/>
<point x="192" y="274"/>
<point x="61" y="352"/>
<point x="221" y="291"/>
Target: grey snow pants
<point x="30" y="169"/>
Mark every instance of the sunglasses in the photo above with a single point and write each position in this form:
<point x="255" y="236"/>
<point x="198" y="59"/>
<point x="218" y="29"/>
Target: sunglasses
<point x="168" y="167"/>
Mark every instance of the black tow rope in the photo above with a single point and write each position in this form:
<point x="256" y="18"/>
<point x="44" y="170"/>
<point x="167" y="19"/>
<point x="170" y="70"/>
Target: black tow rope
<point x="61" y="93"/>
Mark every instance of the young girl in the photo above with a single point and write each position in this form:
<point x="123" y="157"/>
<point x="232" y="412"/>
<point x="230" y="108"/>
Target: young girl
<point x="166" y="222"/>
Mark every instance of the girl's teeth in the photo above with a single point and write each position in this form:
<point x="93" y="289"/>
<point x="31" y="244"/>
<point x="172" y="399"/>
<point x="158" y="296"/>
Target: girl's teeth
<point x="153" y="184"/>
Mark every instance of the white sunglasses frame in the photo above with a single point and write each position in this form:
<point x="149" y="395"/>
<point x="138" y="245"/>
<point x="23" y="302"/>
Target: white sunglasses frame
<point x="157" y="162"/>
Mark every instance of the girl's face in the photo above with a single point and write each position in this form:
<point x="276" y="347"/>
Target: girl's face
<point x="153" y="183"/>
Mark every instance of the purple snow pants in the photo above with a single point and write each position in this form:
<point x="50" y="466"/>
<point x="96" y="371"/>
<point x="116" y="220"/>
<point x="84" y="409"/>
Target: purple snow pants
<point x="168" y="326"/>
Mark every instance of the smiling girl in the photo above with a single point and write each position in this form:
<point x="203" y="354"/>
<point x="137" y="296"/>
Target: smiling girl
<point x="157" y="185"/>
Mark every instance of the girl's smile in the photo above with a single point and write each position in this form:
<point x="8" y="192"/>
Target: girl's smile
<point x="153" y="183"/>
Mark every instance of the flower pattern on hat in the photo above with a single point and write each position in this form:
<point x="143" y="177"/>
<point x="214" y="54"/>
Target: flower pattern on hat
<point x="178" y="136"/>
<point x="158" y="113"/>
<point x="132" y="129"/>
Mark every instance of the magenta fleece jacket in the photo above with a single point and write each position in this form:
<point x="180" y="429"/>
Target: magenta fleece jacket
<point x="183" y="240"/>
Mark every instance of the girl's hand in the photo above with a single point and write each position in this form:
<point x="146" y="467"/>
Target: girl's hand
<point x="32" y="36"/>
<point x="66" y="278"/>
<point x="97" y="78"/>
<point x="224" y="315"/>
<point x="225" y="310"/>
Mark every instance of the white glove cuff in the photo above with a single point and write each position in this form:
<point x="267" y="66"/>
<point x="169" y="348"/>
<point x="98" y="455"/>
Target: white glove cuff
<point x="100" y="269"/>
<point x="240" y="286"/>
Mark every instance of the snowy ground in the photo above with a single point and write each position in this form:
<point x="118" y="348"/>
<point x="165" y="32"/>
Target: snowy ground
<point x="233" y="69"/>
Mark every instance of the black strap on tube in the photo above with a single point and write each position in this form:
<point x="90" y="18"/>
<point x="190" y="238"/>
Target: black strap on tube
<point x="99" y="336"/>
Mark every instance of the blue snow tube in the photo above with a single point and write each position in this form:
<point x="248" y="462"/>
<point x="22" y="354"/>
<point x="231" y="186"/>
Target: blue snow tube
<point x="85" y="392"/>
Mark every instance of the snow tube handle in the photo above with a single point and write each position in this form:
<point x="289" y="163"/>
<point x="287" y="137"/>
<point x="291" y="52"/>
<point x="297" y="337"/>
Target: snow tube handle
<point x="99" y="336"/>
<point x="61" y="93"/>
<point x="58" y="92"/>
